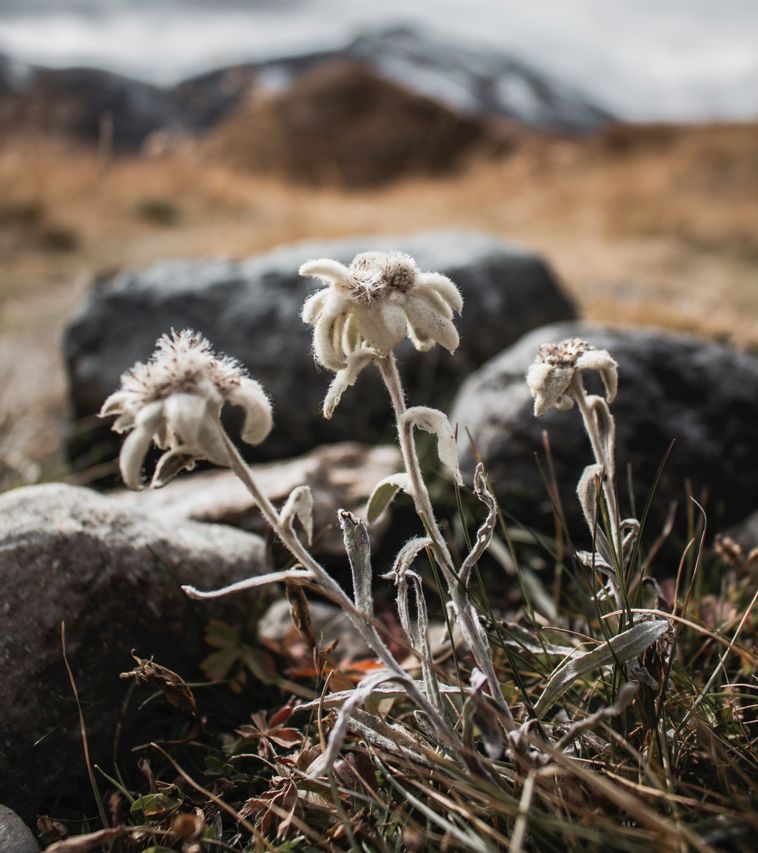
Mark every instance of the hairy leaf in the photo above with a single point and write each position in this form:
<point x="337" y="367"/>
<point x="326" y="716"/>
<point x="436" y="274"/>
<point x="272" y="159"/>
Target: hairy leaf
<point x="384" y="493"/>
<point x="623" y="647"/>
<point x="358" y="547"/>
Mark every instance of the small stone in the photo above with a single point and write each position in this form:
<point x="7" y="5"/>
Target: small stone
<point x="329" y="623"/>
<point x="340" y="476"/>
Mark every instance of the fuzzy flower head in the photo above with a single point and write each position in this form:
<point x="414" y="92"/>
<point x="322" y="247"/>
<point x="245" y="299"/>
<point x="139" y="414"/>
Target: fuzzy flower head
<point x="175" y="401"/>
<point x="376" y="301"/>
<point x="550" y="377"/>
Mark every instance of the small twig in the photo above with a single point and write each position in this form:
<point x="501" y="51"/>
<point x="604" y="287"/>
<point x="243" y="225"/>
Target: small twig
<point x="245" y="824"/>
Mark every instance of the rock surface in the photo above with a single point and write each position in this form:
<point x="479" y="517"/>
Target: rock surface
<point x="15" y="835"/>
<point x="113" y="576"/>
<point x="745" y="533"/>
<point x="328" y="622"/>
<point x="340" y="476"/>
<point x="251" y="309"/>
<point x="704" y="395"/>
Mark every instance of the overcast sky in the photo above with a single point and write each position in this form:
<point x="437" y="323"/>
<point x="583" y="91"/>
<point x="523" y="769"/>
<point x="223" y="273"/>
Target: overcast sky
<point x="645" y="59"/>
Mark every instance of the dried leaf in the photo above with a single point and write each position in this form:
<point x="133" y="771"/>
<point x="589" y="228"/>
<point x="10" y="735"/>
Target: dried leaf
<point x="171" y="685"/>
<point x="478" y="711"/>
<point x="487" y="528"/>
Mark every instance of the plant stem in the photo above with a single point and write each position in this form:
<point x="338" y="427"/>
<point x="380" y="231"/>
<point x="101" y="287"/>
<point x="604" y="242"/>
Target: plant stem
<point x="473" y="633"/>
<point x="329" y="586"/>
<point x="601" y="457"/>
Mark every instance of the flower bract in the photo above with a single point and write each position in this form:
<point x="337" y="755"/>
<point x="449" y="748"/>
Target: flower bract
<point x="175" y="400"/>
<point x="550" y="376"/>
<point x="374" y="303"/>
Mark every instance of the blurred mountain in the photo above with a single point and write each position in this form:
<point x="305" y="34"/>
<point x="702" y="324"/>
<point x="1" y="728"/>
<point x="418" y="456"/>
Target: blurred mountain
<point x="341" y="123"/>
<point x="89" y="104"/>
<point x="465" y="77"/>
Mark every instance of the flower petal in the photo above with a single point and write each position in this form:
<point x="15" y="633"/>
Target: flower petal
<point x="327" y="270"/>
<point x="344" y="378"/>
<point x="442" y="285"/>
<point x="251" y="397"/>
<point x="324" y="350"/>
<point x="435" y="300"/>
<point x="115" y="404"/>
<point x="428" y="324"/>
<point x="184" y="414"/>
<point x="137" y="443"/>
<point x="382" y="325"/>
<point x="548" y="384"/>
<point x="314" y="305"/>
<point x="351" y="336"/>
<point x="171" y="464"/>
<point x="123" y="423"/>
<point x="602" y="361"/>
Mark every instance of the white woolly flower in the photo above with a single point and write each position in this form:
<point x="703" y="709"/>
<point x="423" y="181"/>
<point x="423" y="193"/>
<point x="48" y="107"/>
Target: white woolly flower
<point x="374" y="303"/>
<point x="175" y="400"/>
<point x="550" y="377"/>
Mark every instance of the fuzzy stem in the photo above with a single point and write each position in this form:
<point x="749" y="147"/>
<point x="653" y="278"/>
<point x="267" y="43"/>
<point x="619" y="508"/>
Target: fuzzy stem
<point x="608" y="465"/>
<point x="329" y="586"/>
<point x="473" y="632"/>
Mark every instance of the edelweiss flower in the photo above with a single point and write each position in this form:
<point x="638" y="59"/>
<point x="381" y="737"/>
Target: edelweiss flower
<point x="175" y="400"/>
<point x="549" y="378"/>
<point x="374" y="303"/>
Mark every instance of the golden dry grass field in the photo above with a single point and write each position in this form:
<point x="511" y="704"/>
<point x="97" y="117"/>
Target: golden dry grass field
<point x="645" y="225"/>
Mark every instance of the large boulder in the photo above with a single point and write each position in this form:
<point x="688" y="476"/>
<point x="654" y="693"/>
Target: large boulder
<point x="15" y="835"/>
<point x="251" y="309"/>
<point x="113" y="575"/>
<point x="671" y="387"/>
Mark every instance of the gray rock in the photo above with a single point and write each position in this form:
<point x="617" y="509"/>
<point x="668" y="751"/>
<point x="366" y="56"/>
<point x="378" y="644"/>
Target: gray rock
<point x="329" y="623"/>
<point x="251" y="310"/>
<point x="113" y="575"/>
<point x="704" y="395"/>
<point x="15" y="835"/>
<point x="340" y="476"/>
<point x="745" y="533"/>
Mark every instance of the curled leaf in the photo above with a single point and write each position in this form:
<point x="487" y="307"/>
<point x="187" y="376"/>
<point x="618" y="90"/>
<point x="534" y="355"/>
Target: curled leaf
<point x="487" y="528"/>
<point x="384" y="493"/>
<point x="436" y="422"/>
<point x="299" y="505"/>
